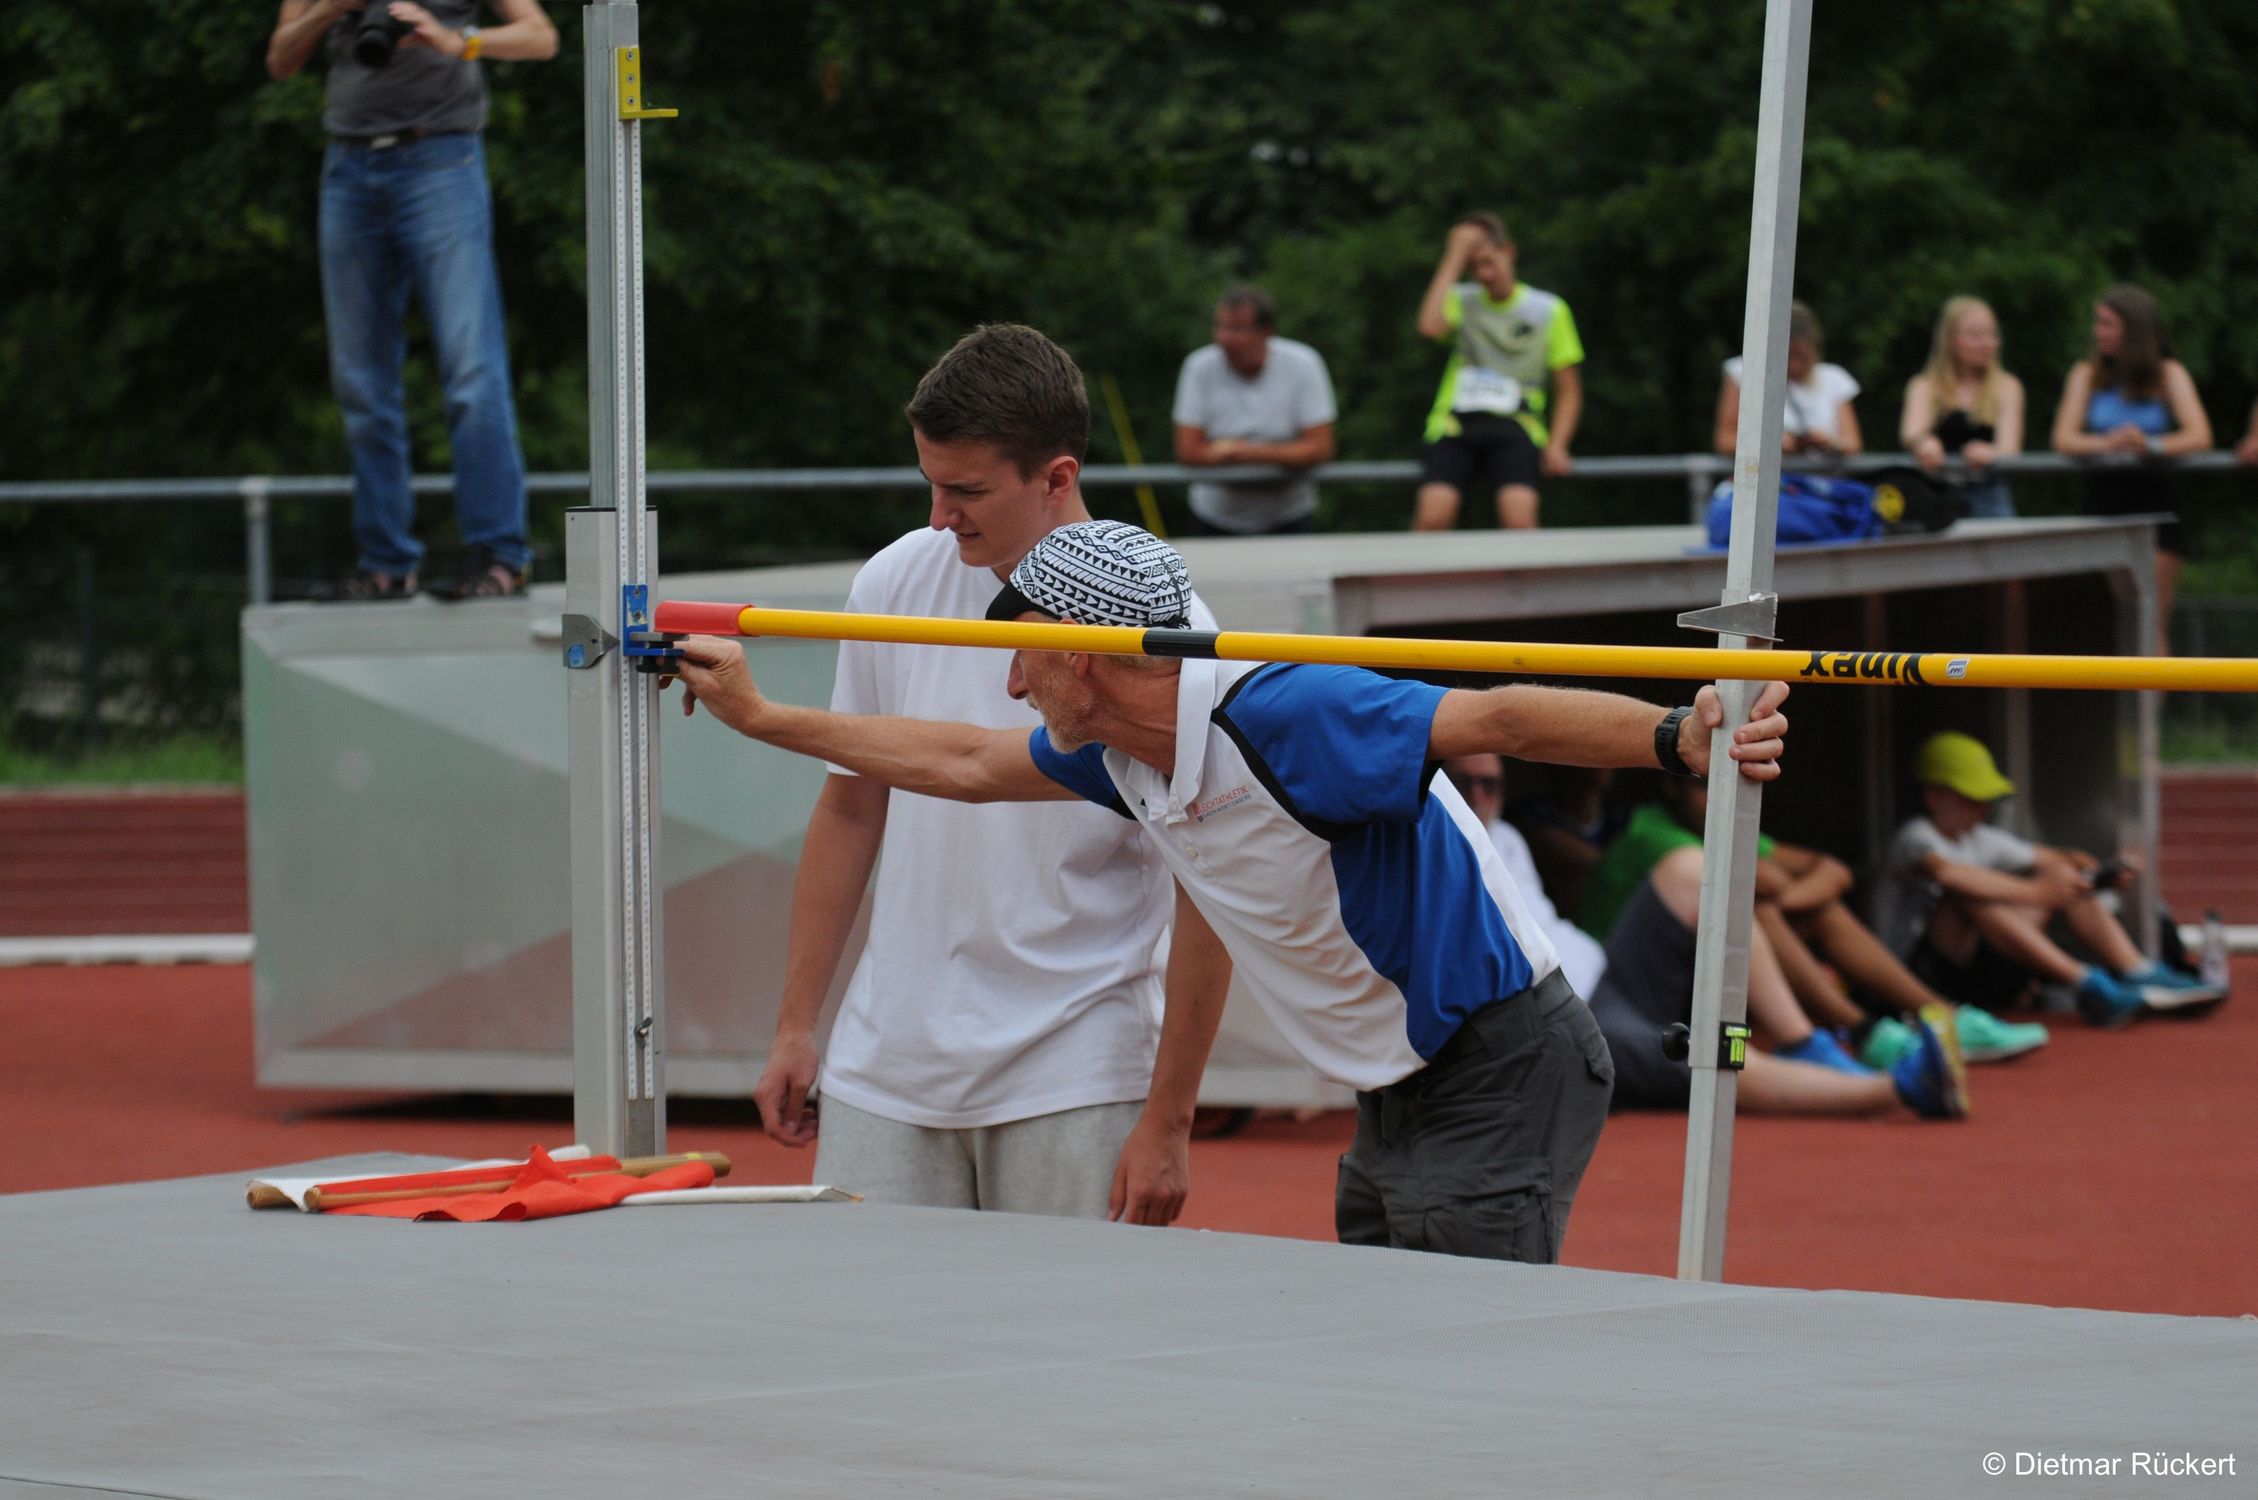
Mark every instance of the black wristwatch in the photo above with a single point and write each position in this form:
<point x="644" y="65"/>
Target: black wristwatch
<point x="1666" y="743"/>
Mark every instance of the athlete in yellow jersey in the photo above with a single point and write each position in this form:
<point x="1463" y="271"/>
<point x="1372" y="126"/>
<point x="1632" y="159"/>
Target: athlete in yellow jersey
<point x="1513" y="390"/>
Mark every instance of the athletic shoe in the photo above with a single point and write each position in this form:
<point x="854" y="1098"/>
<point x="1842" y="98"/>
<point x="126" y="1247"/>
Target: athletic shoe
<point x="484" y="576"/>
<point x="2162" y="988"/>
<point x="2105" y="1000"/>
<point x="1822" y="1050"/>
<point x="1984" y="1038"/>
<point x="365" y="587"/>
<point x="1931" y="1079"/>
<point x="1887" y="1040"/>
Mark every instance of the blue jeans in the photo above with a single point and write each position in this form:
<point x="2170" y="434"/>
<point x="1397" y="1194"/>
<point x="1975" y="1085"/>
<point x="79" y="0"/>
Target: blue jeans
<point x="417" y="217"/>
<point x="1988" y="500"/>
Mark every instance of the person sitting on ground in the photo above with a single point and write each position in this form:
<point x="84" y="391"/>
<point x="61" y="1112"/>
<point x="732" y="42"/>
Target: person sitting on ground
<point x="1819" y="420"/>
<point x="1837" y="969"/>
<point x="1648" y="987"/>
<point x="1480" y="779"/>
<point x="2129" y="399"/>
<point x="1968" y="904"/>
<point x="1513" y="390"/>
<point x="1568" y="822"/>
<point x="1251" y="397"/>
<point x="1965" y="406"/>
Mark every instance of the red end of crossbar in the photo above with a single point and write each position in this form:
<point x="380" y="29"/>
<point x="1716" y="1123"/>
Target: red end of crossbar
<point x="684" y="617"/>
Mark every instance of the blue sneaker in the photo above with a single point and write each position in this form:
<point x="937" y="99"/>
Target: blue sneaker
<point x="2161" y="988"/>
<point x="1984" y="1038"/>
<point x="1931" y="1079"/>
<point x="2105" y="1000"/>
<point x="1821" y="1049"/>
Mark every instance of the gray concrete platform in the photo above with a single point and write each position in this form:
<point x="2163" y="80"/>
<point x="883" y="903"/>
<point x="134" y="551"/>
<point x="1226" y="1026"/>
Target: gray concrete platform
<point x="162" y="1340"/>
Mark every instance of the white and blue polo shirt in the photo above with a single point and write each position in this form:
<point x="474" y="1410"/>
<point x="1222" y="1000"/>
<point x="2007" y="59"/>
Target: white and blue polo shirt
<point x="1361" y="901"/>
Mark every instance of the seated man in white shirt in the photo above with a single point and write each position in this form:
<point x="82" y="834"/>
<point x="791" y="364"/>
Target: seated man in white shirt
<point x="1251" y="397"/>
<point x="1480" y="779"/>
<point x="1362" y="905"/>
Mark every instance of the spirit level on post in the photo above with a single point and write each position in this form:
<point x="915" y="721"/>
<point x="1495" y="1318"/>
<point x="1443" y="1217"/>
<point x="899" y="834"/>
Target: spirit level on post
<point x="618" y="978"/>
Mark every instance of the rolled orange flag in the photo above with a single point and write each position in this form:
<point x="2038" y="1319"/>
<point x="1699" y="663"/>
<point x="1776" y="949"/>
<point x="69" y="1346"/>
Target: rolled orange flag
<point x="542" y="1190"/>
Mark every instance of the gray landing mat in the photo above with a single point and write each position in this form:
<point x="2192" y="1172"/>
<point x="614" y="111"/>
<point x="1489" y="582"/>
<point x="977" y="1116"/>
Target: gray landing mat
<point x="162" y="1339"/>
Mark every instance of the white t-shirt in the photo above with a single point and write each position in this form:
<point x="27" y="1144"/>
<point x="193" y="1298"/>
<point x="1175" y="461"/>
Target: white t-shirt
<point x="1290" y="394"/>
<point x="1014" y="961"/>
<point x="1815" y="406"/>
<point x="1582" y="959"/>
<point x="1907" y="897"/>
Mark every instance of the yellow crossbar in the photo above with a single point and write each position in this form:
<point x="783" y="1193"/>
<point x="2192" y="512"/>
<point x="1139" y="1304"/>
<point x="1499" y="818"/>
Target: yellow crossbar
<point x="2180" y="674"/>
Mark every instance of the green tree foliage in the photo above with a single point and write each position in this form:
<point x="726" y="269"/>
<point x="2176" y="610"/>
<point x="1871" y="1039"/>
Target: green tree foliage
<point x="853" y="183"/>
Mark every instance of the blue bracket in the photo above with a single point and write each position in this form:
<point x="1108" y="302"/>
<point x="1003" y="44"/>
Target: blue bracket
<point x="647" y="649"/>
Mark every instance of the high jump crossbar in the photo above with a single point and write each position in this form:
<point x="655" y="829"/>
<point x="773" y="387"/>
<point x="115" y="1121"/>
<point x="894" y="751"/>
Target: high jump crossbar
<point x="1496" y="658"/>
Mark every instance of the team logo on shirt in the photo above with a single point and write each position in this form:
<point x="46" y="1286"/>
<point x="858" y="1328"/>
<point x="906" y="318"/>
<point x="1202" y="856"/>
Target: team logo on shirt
<point x="1202" y="811"/>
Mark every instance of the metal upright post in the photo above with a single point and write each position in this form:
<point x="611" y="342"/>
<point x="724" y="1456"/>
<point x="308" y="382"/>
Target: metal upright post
<point x="618" y="983"/>
<point x="1745" y="616"/>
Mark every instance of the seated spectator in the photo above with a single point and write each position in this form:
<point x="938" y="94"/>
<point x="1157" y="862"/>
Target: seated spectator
<point x="1568" y="823"/>
<point x="1480" y="779"/>
<point x="1968" y="904"/>
<point x="1649" y="986"/>
<point x="1801" y="909"/>
<point x="1513" y="389"/>
<point x="2129" y="399"/>
<point x="1253" y="398"/>
<point x="1819" y="420"/>
<point x="1965" y="406"/>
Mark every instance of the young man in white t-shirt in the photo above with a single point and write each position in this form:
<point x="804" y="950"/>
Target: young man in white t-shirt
<point x="996" y="1047"/>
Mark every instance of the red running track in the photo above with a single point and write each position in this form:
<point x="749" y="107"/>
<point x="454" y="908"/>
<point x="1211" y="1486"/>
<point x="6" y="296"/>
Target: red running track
<point x="2110" y="1170"/>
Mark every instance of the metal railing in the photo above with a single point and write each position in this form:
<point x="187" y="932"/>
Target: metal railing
<point x="256" y="493"/>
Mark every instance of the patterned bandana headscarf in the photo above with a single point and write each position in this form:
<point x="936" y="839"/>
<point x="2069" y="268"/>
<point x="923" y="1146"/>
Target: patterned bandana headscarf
<point x="1100" y="573"/>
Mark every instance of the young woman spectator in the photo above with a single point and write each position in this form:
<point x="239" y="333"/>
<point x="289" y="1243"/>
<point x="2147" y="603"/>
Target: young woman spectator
<point x="1818" y="418"/>
<point x="1965" y="405"/>
<point x="2129" y="398"/>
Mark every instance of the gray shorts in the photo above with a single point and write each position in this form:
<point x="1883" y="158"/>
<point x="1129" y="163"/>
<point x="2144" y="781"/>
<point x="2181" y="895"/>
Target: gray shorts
<point x="1060" y="1164"/>
<point x="1481" y="1151"/>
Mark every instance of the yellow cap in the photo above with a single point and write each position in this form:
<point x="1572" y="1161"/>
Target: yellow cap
<point x="1961" y="763"/>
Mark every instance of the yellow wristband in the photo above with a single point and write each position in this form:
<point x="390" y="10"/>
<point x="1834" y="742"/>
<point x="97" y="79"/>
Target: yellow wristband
<point x="474" y="42"/>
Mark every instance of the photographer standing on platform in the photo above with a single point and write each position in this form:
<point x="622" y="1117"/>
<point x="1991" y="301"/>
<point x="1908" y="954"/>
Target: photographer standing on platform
<point x="405" y="207"/>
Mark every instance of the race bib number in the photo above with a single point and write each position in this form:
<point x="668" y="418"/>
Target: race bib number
<point x="1486" y="390"/>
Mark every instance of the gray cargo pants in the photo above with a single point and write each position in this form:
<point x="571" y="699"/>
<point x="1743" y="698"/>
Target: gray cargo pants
<point x="1481" y="1151"/>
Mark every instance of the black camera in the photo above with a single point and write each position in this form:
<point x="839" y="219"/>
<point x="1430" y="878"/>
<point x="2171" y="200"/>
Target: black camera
<point x="376" y="34"/>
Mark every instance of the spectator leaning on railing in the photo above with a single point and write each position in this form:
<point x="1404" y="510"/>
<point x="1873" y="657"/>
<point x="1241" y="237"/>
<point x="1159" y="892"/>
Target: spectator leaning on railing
<point x="1965" y="406"/>
<point x="2129" y="400"/>
<point x="1251" y="397"/>
<point x="1818" y="419"/>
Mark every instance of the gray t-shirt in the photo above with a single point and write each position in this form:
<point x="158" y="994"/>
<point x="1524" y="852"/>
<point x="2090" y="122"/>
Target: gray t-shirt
<point x="419" y="89"/>
<point x="1289" y="395"/>
<point x="1908" y="897"/>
